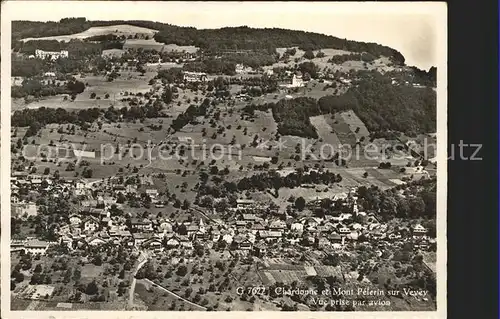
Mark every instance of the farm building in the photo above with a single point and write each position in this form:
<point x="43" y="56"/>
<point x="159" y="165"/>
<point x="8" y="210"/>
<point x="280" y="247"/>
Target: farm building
<point x="195" y="76"/>
<point x="30" y="246"/>
<point x="87" y="154"/>
<point x="296" y="82"/>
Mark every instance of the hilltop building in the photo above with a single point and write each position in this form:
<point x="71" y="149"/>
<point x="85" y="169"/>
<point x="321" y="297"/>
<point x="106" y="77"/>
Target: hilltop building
<point x="52" y="55"/>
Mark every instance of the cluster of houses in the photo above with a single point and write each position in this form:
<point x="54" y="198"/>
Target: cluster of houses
<point x="252" y="229"/>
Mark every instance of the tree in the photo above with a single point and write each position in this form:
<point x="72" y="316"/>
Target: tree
<point x="92" y="95"/>
<point x="38" y="268"/>
<point x="181" y="271"/>
<point x="46" y="171"/>
<point x="67" y="276"/>
<point x="309" y="54"/>
<point x="70" y="166"/>
<point x="300" y="203"/>
<point x="87" y="173"/>
<point x="91" y="288"/>
<point x="417" y="207"/>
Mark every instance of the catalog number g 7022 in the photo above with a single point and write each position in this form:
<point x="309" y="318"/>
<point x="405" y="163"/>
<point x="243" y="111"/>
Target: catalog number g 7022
<point x="251" y="291"/>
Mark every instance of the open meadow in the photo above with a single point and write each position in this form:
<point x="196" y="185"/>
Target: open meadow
<point x="118" y="30"/>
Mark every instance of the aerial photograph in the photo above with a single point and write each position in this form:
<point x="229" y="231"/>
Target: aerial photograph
<point x="221" y="165"/>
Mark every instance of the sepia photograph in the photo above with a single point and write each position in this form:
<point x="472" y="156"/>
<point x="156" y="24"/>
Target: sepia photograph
<point x="224" y="157"/>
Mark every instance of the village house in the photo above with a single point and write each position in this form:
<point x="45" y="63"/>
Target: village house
<point x="172" y="242"/>
<point x="75" y="220"/>
<point x="49" y="75"/>
<point x="240" y="69"/>
<point x="322" y="243"/>
<point x="153" y="244"/>
<point x="152" y="192"/>
<point x="165" y="226"/>
<point x="185" y="243"/>
<point x="297" y="81"/>
<point x="297" y="228"/>
<point x="343" y="230"/>
<point x="277" y="225"/>
<point x="248" y="217"/>
<point x="26" y="210"/>
<point x="418" y="230"/>
<point x="269" y="72"/>
<point x="270" y="236"/>
<point x="259" y="250"/>
<point x="142" y="224"/>
<point x="95" y="241"/>
<point x="241" y="242"/>
<point x="140" y="238"/>
<point x="244" y="203"/>
<point x="227" y="237"/>
<point x="311" y="222"/>
<point x="191" y="229"/>
<point x="119" y="233"/>
<point x="240" y="224"/>
<point x="258" y="226"/>
<point x="215" y="235"/>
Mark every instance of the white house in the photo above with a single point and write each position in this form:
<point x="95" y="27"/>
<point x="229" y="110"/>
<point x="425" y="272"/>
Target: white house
<point x="297" y="81"/>
<point x="195" y="76"/>
<point x="36" y="247"/>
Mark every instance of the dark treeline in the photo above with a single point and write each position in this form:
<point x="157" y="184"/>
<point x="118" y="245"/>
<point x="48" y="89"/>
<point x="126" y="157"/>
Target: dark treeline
<point x="212" y="66"/>
<point x="234" y="38"/>
<point x="379" y="104"/>
<point x="244" y="38"/>
<point x="365" y="57"/>
<point x="35" y="88"/>
<point x="256" y="86"/>
<point x="292" y="116"/>
<point x="253" y="59"/>
<point x="35" y="67"/>
<point x="425" y="77"/>
<point x="36" y="29"/>
<point x="270" y="180"/>
<point x="35" y="119"/>
<point x="190" y="115"/>
<point x="172" y="75"/>
<point x="75" y="47"/>
<point x="417" y="201"/>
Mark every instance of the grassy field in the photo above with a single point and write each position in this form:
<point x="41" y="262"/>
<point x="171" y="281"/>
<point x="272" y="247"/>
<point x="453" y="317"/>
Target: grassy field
<point x="131" y="82"/>
<point x="119" y="30"/>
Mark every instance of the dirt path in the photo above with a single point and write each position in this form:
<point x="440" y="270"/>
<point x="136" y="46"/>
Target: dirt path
<point x="175" y="295"/>
<point x="143" y="258"/>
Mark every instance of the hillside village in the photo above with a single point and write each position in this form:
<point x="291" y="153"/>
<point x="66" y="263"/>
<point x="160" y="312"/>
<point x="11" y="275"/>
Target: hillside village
<point x="95" y="226"/>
